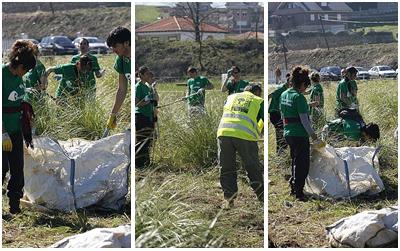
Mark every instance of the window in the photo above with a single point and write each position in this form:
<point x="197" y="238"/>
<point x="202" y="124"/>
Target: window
<point x="172" y="38"/>
<point x="324" y="4"/>
<point x="339" y="17"/>
<point x="155" y="39"/>
<point x="312" y="17"/>
<point x="326" y="17"/>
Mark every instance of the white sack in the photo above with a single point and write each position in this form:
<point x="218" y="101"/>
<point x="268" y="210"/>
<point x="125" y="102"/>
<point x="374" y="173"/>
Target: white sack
<point x="119" y="237"/>
<point x="367" y="229"/>
<point x="101" y="172"/>
<point x="327" y="175"/>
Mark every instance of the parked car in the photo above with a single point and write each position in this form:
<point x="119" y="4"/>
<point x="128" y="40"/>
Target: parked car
<point x="330" y="73"/>
<point x="382" y="71"/>
<point x="57" y="45"/>
<point x="96" y="45"/>
<point x="32" y="40"/>
<point x="362" y="73"/>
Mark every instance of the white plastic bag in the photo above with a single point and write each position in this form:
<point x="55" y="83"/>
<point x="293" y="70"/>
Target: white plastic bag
<point x="77" y="173"/>
<point x="119" y="237"/>
<point x="367" y="229"/>
<point x="343" y="172"/>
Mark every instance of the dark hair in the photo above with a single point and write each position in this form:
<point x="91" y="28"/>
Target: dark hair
<point x="84" y="39"/>
<point x="351" y="70"/>
<point x="191" y="69"/>
<point x="287" y="75"/>
<point x="142" y="70"/>
<point x="315" y="77"/>
<point x="253" y="88"/>
<point x="299" y="76"/>
<point x="118" y="35"/>
<point x="22" y="53"/>
<point x="372" y="130"/>
<point x="85" y="62"/>
<point x="235" y="68"/>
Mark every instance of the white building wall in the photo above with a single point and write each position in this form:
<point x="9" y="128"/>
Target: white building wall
<point x="183" y="36"/>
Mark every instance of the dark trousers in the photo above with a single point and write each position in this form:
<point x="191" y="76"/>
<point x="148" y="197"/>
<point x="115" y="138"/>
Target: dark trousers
<point x="300" y="155"/>
<point x="14" y="162"/>
<point x="276" y="120"/>
<point x="144" y="135"/>
<point x="248" y="152"/>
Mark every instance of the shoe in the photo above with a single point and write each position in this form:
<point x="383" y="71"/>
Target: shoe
<point x="301" y="197"/>
<point x="228" y="204"/>
<point x="14" y="206"/>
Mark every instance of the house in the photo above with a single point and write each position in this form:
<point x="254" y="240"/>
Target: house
<point x="178" y="28"/>
<point x="308" y="16"/>
<point x="245" y="16"/>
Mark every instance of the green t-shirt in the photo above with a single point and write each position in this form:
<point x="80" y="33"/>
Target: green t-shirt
<point x="274" y="105"/>
<point x="13" y="94"/>
<point x="349" y="128"/>
<point x="71" y="81"/>
<point x="293" y="103"/>
<point x="32" y="79"/>
<point x="141" y="91"/>
<point x="236" y="87"/>
<point x="343" y="87"/>
<point x="123" y="66"/>
<point x="89" y="76"/>
<point x="317" y="91"/>
<point x="194" y="84"/>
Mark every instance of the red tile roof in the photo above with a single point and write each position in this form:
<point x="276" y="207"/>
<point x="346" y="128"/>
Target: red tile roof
<point x="178" y="24"/>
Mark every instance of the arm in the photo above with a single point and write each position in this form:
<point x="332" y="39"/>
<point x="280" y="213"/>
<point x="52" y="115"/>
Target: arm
<point x="121" y="93"/>
<point x="315" y="102"/>
<point x="223" y="87"/>
<point x="209" y="86"/>
<point x="307" y="125"/>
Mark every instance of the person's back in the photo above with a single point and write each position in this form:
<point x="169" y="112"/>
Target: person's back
<point x="293" y="103"/>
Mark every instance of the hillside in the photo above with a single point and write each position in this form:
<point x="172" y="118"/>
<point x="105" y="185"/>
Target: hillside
<point x="145" y="14"/>
<point x="88" y="21"/>
<point x="170" y="60"/>
<point x="359" y="55"/>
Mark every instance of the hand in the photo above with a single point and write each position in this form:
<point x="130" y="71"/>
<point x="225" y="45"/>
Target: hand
<point x="102" y="72"/>
<point x="112" y="121"/>
<point x="148" y="98"/>
<point x="229" y="73"/>
<point x="153" y="85"/>
<point x="7" y="143"/>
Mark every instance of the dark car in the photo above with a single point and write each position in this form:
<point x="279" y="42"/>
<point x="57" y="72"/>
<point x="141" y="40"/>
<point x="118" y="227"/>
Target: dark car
<point x="330" y="73"/>
<point x="57" y="45"/>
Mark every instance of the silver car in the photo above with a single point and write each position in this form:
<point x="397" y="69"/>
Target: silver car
<point x="382" y="71"/>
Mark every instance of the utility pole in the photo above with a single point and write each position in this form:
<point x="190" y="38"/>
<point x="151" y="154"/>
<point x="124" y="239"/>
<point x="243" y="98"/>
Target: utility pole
<point x="323" y="31"/>
<point x="284" y="52"/>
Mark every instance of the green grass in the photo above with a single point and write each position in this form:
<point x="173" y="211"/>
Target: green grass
<point x="288" y="217"/>
<point x="387" y="28"/>
<point x="75" y="119"/>
<point x="178" y="201"/>
<point x="147" y="14"/>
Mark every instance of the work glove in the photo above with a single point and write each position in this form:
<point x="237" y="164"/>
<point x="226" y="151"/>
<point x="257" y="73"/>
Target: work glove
<point x="229" y="73"/>
<point x="112" y="121"/>
<point x="7" y="143"/>
<point x="148" y="98"/>
<point x="318" y="143"/>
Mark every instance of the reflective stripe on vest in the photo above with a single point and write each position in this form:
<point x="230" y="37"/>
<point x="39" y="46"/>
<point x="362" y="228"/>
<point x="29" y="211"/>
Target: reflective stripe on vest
<point x="240" y="127"/>
<point x="241" y="116"/>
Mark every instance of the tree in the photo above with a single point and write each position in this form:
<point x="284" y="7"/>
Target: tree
<point x="196" y="13"/>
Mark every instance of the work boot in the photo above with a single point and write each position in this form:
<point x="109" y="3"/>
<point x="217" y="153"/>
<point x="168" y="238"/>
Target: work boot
<point x="300" y="196"/>
<point x="228" y="204"/>
<point x="14" y="206"/>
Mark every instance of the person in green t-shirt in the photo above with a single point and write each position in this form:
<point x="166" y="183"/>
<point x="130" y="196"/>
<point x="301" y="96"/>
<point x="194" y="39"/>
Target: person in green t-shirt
<point x="196" y="92"/>
<point x="35" y="81"/>
<point x="351" y="126"/>
<point x="90" y="84"/>
<point x="16" y="119"/>
<point x="233" y="83"/>
<point x="73" y="77"/>
<point x="119" y="40"/>
<point x="346" y="93"/>
<point x="297" y="128"/>
<point x="146" y="98"/>
<point x="275" y="114"/>
<point x="316" y="101"/>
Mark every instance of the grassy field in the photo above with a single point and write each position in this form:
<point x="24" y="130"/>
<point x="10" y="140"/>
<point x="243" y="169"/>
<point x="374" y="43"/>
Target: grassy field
<point x="178" y="201"/>
<point x="83" y="120"/>
<point x="145" y="14"/>
<point x="388" y="28"/>
<point x="293" y="223"/>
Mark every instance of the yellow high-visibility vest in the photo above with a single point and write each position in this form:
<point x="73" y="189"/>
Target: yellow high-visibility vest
<point x="239" y="119"/>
